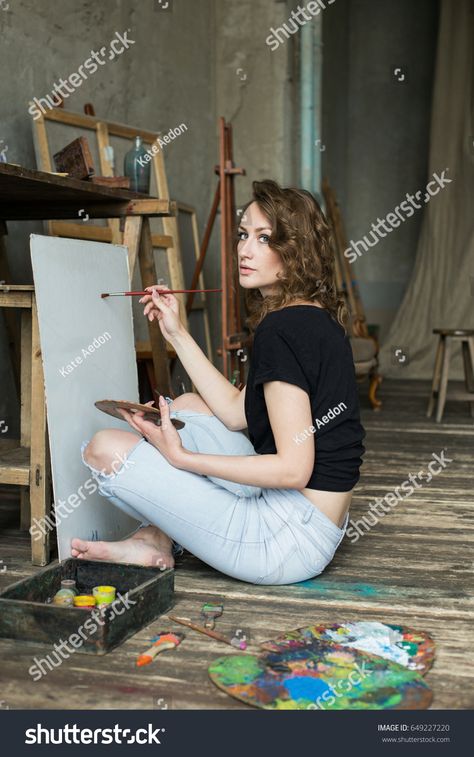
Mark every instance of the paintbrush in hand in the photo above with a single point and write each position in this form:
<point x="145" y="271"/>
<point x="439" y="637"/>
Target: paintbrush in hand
<point x="162" y="291"/>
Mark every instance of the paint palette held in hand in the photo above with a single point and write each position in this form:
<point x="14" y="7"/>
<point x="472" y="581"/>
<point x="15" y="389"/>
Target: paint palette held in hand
<point x="111" y="407"/>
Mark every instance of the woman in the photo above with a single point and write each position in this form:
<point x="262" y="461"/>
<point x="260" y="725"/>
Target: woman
<point x="274" y="509"/>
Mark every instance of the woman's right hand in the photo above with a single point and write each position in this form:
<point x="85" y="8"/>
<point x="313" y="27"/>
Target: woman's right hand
<point x="164" y="308"/>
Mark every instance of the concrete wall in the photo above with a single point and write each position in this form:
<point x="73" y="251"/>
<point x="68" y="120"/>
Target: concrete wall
<point x="255" y="90"/>
<point x="376" y="131"/>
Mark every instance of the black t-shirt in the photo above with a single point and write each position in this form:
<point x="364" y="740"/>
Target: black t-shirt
<point x="305" y="346"/>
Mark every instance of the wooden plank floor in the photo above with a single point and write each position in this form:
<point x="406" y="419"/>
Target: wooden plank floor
<point x="414" y="567"/>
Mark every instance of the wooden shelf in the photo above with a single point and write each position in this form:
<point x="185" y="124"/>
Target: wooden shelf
<point x="28" y="195"/>
<point x="15" y="466"/>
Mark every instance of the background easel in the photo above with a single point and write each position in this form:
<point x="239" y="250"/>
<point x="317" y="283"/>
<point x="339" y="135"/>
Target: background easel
<point x="233" y="339"/>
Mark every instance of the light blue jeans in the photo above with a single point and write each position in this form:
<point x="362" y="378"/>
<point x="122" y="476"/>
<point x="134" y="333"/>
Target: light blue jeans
<point x="258" y="535"/>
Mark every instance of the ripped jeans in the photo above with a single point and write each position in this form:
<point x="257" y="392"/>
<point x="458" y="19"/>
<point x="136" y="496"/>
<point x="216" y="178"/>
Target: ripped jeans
<point x="253" y="534"/>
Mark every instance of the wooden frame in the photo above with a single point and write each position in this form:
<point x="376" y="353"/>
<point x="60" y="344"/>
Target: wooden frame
<point x="191" y="211"/>
<point x="28" y="465"/>
<point x="26" y="195"/>
<point x="104" y="130"/>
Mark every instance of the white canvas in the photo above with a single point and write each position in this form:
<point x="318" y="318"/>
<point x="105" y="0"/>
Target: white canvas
<point x="88" y="354"/>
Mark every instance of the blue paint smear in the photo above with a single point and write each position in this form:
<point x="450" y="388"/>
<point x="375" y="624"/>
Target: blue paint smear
<point x="316" y="584"/>
<point x="305" y="687"/>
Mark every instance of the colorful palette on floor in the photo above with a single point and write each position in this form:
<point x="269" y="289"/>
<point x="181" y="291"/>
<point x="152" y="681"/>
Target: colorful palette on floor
<point x="411" y="648"/>
<point x="320" y="675"/>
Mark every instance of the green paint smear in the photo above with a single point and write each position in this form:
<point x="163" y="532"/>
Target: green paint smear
<point x="234" y="670"/>
<point x="409" y="646"/>
<point x="289" y="704"/>
<point x="371" y="700"/>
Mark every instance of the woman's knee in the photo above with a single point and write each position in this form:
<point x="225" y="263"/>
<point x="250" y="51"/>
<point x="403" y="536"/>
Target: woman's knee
<point x="107" y="448"/>
<point x="191" y="401"/>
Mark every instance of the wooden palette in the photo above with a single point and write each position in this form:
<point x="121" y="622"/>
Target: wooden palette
<point x="407" y="646"/>
<point x="320" y="676"/>
<point x="111" y="407"/>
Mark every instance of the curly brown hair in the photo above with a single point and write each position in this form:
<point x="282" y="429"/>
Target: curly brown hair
<point x="302" y="237"/>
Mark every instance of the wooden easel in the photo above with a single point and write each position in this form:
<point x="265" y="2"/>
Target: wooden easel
<point x="189" y="211"/>
<point x="137" y="234"/>
<point x="232" y="337"/>
<point x="345" y="279"/>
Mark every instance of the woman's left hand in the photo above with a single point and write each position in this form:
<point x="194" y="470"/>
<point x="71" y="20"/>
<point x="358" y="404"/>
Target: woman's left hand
<point x="165" y="437"/>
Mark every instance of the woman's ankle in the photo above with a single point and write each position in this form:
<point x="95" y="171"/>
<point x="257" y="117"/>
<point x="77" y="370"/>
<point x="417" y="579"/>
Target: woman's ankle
<point x="153" y="535"/>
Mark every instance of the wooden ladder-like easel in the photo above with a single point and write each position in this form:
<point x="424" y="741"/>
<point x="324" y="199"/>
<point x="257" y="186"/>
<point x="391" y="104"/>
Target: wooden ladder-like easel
<point x="233" y="339"/>
<point x="137" y="235"/>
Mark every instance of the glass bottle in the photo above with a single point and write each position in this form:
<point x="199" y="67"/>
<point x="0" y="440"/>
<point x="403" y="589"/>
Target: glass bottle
<point x="137" y="167"/>
<point x="70" y="584"/>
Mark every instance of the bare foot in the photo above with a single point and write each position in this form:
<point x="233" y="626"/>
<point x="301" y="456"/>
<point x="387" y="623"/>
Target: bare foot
<point x="155" y="536"/>
<point x="152" y="550"/>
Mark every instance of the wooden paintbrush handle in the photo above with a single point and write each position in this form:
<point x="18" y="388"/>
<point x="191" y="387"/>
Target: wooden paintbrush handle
<point x="201" y="629"/>
<point x="153" y="651"/>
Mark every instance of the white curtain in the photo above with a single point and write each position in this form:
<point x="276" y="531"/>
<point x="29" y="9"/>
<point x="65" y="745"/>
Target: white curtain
<point x="440" y="293"/>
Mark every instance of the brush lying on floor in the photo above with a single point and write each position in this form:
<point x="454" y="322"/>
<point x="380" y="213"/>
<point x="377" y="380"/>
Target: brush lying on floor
<point x="164" y="640"/>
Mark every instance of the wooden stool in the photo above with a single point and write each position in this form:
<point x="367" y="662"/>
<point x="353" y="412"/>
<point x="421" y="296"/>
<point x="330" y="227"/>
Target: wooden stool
<point x="441" y="369"/>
